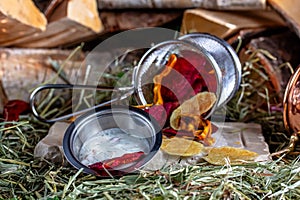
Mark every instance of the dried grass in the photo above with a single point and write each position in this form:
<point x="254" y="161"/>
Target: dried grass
<point x="24" y="177"/>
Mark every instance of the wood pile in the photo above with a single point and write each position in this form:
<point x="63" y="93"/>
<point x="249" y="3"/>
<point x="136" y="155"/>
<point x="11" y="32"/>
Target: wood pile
<point x="16" y="24"/>
<point x="37" y="34"/>
<point x="32" y="32"/>
<point x="40" y="37"/>
<point x="64" y="22"/>
<point x="61" y="23"/>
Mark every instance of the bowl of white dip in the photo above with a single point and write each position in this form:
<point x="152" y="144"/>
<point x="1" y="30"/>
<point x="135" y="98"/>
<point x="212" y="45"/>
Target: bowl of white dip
<point x="112" y="141"/>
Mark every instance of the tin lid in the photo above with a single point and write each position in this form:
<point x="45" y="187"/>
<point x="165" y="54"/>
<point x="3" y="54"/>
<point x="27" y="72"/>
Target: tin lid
<point x="291" y="103"/>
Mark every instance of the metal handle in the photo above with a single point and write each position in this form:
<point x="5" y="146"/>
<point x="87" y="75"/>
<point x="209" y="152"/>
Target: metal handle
<point x="128" y="91"/>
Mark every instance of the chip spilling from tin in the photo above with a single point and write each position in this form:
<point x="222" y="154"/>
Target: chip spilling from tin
<point x="180" y="146"/>
<point x="235" y="156"/>
<point x="195" y="106"/>
<point x="181" y="90"/>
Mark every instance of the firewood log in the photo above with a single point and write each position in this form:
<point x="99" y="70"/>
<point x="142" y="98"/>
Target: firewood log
<point x="70" y="22"/>
<point x="289" y="10"/>
<point x="211" y="4"/>
<point x="224" y="23"/>
<point x="126" y="20"/>
<point x="23" y="69"/>
<point x="19" y="19"/>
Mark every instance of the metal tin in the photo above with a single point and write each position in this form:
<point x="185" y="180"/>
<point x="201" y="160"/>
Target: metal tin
<point x="220" y="57"/>
<point x="100" y="135"/>
<point x="226" y="61"/>
<point x="155" y="58"/>
<point x="291" y="103"/>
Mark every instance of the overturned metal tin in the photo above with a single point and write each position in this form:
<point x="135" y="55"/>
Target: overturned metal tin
<point x="220" y="60"/>
<point x="227" y="62"/>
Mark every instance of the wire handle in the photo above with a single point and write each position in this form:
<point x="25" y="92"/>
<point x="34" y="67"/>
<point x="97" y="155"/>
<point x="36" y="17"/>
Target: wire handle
<point x="128" y="91"/>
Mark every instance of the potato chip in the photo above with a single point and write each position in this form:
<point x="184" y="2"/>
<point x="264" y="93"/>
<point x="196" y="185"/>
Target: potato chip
<point x="195" y="106"/>
<point x="181" y="147"/>
<point x="234" y="155"/>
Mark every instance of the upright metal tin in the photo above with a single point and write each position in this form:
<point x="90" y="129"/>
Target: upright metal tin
<point x="107" y="118"/>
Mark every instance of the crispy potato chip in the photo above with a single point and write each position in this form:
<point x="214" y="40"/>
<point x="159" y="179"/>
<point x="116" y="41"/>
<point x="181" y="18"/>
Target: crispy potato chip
<point x="181" y="147"/>
<point x="235" y="156"/>
<point x="195" y="106"/>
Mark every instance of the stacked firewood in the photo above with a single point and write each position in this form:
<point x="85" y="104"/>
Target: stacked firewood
<point x="24" y="25"/>
<point x="34" y="34"/>
<point x="59" y="23"/>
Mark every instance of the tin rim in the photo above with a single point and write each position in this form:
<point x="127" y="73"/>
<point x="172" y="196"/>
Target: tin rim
<point x="172" y="44"/>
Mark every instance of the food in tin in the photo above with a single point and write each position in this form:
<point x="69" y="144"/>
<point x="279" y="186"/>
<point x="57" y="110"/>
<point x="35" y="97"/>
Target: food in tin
<point x="192" y="110"/>
<point x="182" y="97"/>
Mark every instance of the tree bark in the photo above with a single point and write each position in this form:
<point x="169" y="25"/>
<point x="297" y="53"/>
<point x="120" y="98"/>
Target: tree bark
<point x="23" y="69"/>
<point x="289" y="10"/>
<point x="125" y="20"/>
<point x="211" y="4"/>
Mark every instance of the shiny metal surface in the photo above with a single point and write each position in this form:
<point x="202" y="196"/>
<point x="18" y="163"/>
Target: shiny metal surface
<point x="291" y="103"/>
<point x="154" y="60"/>
<point x="127" y="91"/>
<point x="94" y="135"/>
<point x="226" y="61"/>
<point x="219" y="56"/>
